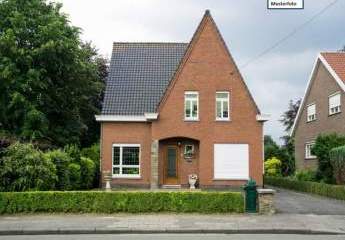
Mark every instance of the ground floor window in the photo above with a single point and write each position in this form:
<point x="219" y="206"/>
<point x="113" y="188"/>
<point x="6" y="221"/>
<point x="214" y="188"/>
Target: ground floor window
<point x="126" y="160"/>
<point x="308" y="147"/>
<point x="231" y="161"/>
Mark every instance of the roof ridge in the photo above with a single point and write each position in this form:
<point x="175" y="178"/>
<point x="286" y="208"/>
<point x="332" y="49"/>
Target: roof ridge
<point x="337" y="52"/>
<point x="150" y="43"/>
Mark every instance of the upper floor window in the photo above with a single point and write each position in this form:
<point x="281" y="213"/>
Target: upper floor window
<point x="222" y="105"/>
<point x="126" y="159"/>
<point x="191" y="106"/>
<point x="334" y="103"/>
<point x="311" y="112"/>
<point x="308" y="147"/>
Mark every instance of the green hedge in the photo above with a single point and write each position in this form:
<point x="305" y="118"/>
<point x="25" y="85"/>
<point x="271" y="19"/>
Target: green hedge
<point x="327" y="190"/>
<point x="113" y="202"/>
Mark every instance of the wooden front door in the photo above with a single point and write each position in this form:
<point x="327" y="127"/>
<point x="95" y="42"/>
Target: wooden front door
<point x="171" y="165"/>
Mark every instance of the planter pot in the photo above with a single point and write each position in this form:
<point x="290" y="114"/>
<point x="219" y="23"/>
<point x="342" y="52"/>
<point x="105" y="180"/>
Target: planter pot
<point x="192" y="180"/>
<point x="107" y="179"/>
<point x="192" y="183"/>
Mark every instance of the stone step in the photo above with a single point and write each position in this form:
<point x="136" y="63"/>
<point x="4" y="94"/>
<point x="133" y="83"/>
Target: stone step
<point x="171" y="186"/>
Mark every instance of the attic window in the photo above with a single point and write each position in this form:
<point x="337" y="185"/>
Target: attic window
<point x="311" y="112"/>
<point x="334" y="103"/>
<point x="222" y="106"/>
<point x="191" y="106"/>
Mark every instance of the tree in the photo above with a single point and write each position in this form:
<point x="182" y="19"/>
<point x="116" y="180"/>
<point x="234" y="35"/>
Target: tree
<point x="51" y="82"/>
<point x="283" y="153"/>
<point x="273" y="167"/>
<point x="271" y="148"/>
<point x="323" y="145"/>
<point x="288" y="148"/>
<point x="288" y="117"/>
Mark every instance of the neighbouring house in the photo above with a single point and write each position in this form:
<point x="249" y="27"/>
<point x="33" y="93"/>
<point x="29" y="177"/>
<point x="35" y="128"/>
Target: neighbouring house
<point x="175" y="109"/>
<point x="321" y="108"/>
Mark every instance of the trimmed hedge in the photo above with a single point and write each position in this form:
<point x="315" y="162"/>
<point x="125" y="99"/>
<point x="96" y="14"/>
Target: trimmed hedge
<point x="327" y="190"/>
<point x="113" y="202"/>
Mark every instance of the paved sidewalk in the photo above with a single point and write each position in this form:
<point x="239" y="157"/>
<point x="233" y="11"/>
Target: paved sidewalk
<point x="171" y="223"/>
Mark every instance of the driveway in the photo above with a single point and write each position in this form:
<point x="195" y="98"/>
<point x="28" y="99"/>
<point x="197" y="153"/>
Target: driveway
<point x="301" y="203"/>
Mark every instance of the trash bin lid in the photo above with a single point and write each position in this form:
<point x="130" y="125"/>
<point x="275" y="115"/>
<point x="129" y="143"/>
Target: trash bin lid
<point x="251" y="183"/>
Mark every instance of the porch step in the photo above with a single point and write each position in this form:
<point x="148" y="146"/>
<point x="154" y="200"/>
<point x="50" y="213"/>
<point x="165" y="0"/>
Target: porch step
<point x="171" y="186"/>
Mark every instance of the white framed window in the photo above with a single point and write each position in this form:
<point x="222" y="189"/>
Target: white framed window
<point x="308" y="147"/>
<point x="222" y="106"/>
<point x="231" y="161"/>
<point x="126" y="160"/>
<point x="334" y="103"/>
<point x="191" y="106"/>
<point x="311" y="112"/>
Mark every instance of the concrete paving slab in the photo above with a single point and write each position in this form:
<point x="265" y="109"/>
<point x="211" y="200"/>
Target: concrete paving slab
<point x="188" y="223"/>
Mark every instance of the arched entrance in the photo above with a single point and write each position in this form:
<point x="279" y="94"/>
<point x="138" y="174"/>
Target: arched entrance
<point x="178" y="158"/>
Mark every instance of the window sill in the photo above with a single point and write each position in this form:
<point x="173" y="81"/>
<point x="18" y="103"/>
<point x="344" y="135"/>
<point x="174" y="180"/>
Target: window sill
<point x="310" y="158"/>
<point x="310" y="121"/>
<point x="126" y="177"/>
<point x="222" y="120"/>
<point x="191" y="120"/>
<point x="331" y="114"/>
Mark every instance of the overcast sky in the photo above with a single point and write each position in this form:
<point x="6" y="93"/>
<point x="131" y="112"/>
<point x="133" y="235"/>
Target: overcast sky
<point x="247" y="27"/>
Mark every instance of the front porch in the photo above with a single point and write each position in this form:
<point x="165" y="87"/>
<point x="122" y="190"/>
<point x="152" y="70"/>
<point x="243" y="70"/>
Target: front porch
<point x="172" y="161"/>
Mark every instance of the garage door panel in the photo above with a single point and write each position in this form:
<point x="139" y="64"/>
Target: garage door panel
<point x="231" y="161"/>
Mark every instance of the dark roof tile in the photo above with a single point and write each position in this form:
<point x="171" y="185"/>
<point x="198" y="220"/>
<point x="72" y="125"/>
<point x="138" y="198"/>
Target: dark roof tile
<point x="139" y="75"/>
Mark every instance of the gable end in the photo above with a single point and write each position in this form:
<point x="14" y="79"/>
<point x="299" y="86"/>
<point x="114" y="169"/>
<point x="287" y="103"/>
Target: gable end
<point x="207" y="17"/>
<point x="319" y="60"/>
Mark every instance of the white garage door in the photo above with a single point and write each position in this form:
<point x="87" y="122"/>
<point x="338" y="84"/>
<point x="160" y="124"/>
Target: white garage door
<point x="231" y="161"/>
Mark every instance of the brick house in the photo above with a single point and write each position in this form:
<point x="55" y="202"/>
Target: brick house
<point x="175" y="109"/>
<point x="321" y="107"/>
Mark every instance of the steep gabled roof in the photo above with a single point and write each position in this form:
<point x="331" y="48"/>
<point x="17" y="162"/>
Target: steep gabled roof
<point x="334" y="62"/>
<point x="142" y="74"/>
<point x="139" y="74"/>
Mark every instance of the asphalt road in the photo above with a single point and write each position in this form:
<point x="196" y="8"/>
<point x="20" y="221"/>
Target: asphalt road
<point x="177" y="237"/>
<point x="292" y="202"/>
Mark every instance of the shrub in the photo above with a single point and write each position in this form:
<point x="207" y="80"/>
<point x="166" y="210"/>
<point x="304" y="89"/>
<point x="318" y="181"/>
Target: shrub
<point x="4" y="143"/>
<point x="87" y="169"/>
<point x="323" y="145"/>
<point x="273" y="167"/>
<point x="337" y="157"/>
<point x="74" y="176"/>
<point x="93" y="153"/>
<point x="61" y="160"/>
<point x="25" y="168"/>
<point x="113" y="202"/>
<point x="305" y="175"/>
<point x="323" y="189"/>
<point x="74" y="152"/>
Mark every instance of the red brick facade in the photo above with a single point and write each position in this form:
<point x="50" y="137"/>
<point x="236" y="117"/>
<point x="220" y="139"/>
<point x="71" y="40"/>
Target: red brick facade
<point x="207" y="67"/>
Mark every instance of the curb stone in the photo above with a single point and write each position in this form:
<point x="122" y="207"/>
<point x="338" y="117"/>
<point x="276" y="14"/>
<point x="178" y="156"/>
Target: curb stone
<point x="185" y="231"/>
